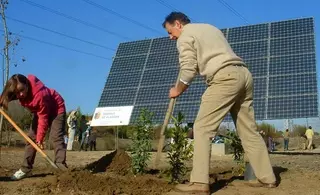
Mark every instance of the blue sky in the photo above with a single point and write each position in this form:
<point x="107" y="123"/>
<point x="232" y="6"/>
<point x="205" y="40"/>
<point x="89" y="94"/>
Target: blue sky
<point x="80" y="78"/>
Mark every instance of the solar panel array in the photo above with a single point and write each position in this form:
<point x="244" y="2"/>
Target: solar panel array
<point x="280" y="55"/>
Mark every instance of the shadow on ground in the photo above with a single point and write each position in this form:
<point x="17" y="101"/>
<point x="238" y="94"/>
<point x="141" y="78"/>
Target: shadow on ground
<point x="222" y="183"/>
<point x="277" y="171"/>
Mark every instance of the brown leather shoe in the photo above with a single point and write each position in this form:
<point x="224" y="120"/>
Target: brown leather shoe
<point x="198" y="188"/>
<point x="257" y="183"/>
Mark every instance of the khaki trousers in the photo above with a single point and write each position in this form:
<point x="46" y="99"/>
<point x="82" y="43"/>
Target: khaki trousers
<point x="231" y="89"/>
<point x="309" y="143"/>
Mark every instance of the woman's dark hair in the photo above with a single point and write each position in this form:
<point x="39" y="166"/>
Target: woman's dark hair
<point x="10" y="90"/>
<point x="173" y="16"/>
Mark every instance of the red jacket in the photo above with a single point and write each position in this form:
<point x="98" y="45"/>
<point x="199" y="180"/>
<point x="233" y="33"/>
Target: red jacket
<point x="45" y="103"/>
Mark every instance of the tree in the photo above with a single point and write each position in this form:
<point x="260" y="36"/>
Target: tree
<point x="124" y="132"/>
<point x="299" y="130"/>
<point x="20" y="115"/>
<point x="269" y="129"/>
<point x="79" y="115"/>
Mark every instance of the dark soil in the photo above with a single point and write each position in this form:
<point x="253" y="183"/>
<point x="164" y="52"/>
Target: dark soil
<point x="116" y="178"/>
<point x="118" y="162"/>
<point x="110" y="175"/>
<point x="302" y="176"/>
<point x="96" y="184"/>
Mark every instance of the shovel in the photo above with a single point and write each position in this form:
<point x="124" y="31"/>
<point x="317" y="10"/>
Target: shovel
<point x="164" y="126"/>
<point x="35" y="146"/>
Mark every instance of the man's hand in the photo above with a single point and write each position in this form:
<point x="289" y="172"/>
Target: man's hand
<point x="174" y="92"/>
<point x="178" y="90"/>
<point x="40" y="144"/>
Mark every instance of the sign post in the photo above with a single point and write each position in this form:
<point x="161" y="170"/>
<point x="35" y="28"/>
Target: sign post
<point x="112" y="116"/>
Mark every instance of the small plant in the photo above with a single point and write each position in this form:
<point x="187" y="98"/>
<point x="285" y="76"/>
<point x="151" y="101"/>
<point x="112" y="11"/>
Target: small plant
<point x="141" y="146"/>
<point x="180" y="149"/>
<point x="238" y="153"/>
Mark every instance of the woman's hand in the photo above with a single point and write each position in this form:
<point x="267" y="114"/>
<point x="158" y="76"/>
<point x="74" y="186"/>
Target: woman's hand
<point x="40" y="144"/>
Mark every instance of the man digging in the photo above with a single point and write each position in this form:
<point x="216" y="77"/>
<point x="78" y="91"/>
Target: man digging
<point x="203" y="49"/>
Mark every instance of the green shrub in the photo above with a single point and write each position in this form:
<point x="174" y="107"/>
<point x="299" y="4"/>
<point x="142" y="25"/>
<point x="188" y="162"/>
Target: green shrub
<point x="142" y="145"/>
<point x="238" y="153"/>
<point x="180" y="150"/>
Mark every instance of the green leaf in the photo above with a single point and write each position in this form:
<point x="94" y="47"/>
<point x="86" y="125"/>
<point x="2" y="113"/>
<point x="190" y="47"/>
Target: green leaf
<point x="180" y="150"/>
<point x="142" y="137"/>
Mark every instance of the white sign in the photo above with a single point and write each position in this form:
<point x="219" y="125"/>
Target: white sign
<point x="112" y="116"/>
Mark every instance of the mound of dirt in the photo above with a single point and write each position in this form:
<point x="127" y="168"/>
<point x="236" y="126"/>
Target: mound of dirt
<point x="115" y="178"/>
<point x="118" y="162"/>
<point x="96" y="184"/>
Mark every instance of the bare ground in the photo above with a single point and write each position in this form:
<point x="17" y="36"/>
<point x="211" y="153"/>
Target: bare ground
<point x="298" y="174"/>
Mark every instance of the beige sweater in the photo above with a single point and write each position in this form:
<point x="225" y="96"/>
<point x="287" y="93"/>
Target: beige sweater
<point x="203" y="49"/>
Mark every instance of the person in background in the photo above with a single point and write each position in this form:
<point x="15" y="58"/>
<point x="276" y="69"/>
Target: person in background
<point x="85" y="137"/>
<point x="93" y="139"/>
<point x="309" y="134"/>
<point x="190" y="132"/>
<point x="83" y="127"/>
<point x="270" y="144"/>
<point x="72" y="125"/>
<point x="48" y="109"/>
<point x="65" y="139"/>
<point x="286" y="135"/>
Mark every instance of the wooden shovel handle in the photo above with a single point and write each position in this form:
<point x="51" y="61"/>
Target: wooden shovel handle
<point x="164" y="126"/>
<point x="26" y="137"/>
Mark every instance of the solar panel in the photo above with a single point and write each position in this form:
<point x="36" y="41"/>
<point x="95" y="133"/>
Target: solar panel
<point x="292" y="45"/>
<point x="119" y="97"/>
<point x="251" y="50"/>
<point x="280" y="55"/>
<point x="152" y="95"/>
<point x="258" y="67"/>
<point x="159" y="76"/>
<point x="189" y="110"/>
<point x="129" y="63"/>
<point x="133" y="48"/>
<point x="301" y="63"/>
<point x="121" y="79"/>
<point x="289" y="28"/>
<point x="158" y="110"/>
<point x="302" y="84"/>
<point x="248" y="33"/>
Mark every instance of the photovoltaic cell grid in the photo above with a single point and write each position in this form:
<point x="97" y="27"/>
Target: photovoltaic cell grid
<point x="280" y="56"/>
